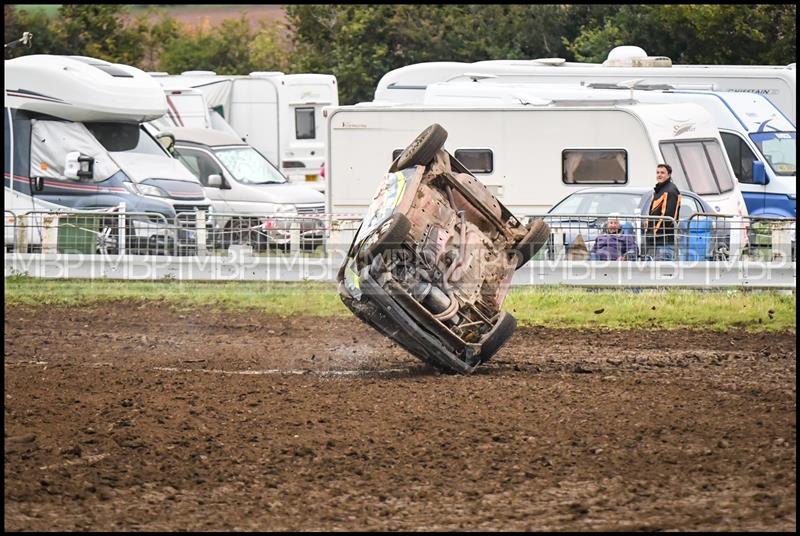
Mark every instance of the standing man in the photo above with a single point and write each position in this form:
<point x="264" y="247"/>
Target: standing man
<point x="660" y="235"/>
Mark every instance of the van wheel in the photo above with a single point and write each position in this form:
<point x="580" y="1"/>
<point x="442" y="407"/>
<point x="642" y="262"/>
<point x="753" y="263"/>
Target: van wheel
<point x="390" y="234"/>
<point x="500" y="333"/>
<point x="422" y="150"/>
<point x="237" y="231"/>
<point x="537" y="236"/>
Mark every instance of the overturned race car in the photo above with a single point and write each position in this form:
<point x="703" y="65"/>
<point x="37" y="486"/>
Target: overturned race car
<point x="433" y="259"/>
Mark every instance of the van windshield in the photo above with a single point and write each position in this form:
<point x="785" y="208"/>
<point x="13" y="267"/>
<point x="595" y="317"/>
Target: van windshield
<point x="125" y="137"/>
<point x="248" y="166"/>
<point x="779" y="150"/>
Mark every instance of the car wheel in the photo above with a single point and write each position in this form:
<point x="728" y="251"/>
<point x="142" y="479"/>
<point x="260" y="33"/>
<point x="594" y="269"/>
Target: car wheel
<point x="390" y="234"/>
<point x="500" y="333"/>
<point x="422" y="150"/>
<point x="537" y="236"/>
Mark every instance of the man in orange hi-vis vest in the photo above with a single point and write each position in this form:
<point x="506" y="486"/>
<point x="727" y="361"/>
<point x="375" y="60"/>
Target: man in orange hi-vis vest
<point x="660" y="235"/>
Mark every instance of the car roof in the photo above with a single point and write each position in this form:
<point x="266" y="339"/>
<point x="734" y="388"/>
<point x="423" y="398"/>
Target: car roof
<point x="614" y="190"/>
<point x="204" y="136"/>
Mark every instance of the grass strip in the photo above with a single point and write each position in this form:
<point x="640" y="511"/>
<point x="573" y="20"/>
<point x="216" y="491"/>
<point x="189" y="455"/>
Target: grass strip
<point x="552" y="306"/>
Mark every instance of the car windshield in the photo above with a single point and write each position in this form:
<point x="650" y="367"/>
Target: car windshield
<point x="599" y="203"/>
<point x="779" y="150"/>
<point x="248" y="166"/>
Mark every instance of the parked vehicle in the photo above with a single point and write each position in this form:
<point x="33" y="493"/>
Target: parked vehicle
<point x="75" y="138"/>
<point x="532" y="156"/>
<point x="238" y="179"/>
<point x="276" y="113"/>
<point x="760" y="141"/>
<point x="632" y="205"/>
<point x="432" y="261"/>
<point x="776" y="82"/>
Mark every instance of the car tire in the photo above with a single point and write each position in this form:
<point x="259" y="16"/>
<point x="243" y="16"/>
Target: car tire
<point x="499" y="334"/>
<point x="537" y="236"/>
<point x="390" y="234"/>
<point x="422" y="150"/>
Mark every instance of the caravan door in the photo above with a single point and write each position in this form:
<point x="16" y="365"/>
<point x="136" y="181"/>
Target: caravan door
<point x="254" y="115"/>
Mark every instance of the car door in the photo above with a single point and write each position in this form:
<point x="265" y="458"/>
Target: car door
<point x="202" y="164"/>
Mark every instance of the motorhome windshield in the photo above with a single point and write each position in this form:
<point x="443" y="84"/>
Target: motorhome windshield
<point x="248" y="166"/>
<point x="779" y="150"/>
<point x="124" y="137"/>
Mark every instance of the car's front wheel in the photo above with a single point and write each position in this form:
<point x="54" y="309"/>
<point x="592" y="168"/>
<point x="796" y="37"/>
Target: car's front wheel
<point x="422" y="150"/>
<point x="537" y="236"/>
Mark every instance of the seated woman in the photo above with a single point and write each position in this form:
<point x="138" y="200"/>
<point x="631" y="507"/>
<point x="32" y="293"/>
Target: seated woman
<point x="613" y="244"/>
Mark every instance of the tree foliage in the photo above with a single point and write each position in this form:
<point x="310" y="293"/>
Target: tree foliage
<point x="359" y="43"/>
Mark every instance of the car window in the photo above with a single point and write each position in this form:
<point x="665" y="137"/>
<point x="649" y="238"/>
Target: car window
<point x="598" y="203"/>
<point x="689" y="206"/>
<point x="198" y="162"/>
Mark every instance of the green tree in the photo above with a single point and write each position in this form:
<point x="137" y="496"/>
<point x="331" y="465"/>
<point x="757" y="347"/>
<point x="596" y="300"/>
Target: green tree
<point x="99" y="31"/>
<point x="224" y="49"/>
<point x="697" y="33"/>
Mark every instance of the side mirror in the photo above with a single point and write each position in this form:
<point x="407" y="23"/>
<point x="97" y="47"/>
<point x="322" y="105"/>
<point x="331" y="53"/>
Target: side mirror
<point x="759" y="173"/>
<point x="167" y="141"/>
<point x="38" y="183"/>
<point x="78" y="166"/>
<point x="214" y="181"/>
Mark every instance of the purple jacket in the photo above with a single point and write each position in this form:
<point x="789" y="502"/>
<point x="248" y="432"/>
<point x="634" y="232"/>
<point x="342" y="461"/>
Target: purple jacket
<point x="610" y="247"/>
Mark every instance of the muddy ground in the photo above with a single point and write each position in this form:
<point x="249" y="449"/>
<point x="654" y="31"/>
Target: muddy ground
<point x="135" y="417"/>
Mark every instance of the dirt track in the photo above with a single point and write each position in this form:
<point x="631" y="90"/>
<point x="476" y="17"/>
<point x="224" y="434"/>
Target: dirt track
<point x="139" y="418"/>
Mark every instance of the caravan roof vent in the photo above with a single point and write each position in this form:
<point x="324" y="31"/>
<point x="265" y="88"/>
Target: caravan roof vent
<point x="158" y="73"/>
<point x="631" y="56"/>
<point x="199" y="73"/>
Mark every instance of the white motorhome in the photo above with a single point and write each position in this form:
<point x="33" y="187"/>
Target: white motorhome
<point x="278" y="114"/>
<point x="778" y="83"/>
<point x="759" y="140"/>
<point x="75" y="138"/>
<point x="530" y="157"/>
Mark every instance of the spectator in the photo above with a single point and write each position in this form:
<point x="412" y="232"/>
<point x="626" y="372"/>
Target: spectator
<point x="660" y="233"/>
<point x="613" y="244"/>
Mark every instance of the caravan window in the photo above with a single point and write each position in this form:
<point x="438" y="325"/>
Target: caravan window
<point x="699" y="164"/>
<point x="476" y="160"/>
<point x="304" y="128"/>
<point x="740" y="155"/>
<point x="594" y="166"/>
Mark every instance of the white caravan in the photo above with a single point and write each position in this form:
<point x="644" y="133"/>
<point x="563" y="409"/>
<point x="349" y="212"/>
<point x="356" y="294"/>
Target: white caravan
<point x="759" y="140"/>
<point x="533" y="156"/>
<point x="278" y="114"/>
<point x="75" y="138"/>
<point x="778" y="83"/>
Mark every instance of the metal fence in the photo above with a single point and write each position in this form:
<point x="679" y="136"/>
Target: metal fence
<point x="581" y="249"/>
<point x="701" y="237"/>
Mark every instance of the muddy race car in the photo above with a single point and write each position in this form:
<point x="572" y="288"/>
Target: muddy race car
<point x="433" y="259"/>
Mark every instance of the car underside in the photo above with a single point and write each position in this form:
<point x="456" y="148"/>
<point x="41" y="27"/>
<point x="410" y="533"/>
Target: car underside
<point x="433" y="259"/>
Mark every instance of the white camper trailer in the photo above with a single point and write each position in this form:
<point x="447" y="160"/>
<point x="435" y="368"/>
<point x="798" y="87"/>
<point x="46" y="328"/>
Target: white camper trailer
<point x="75" y="139"/>
<point x="778" y="83"/>
<point x="278" y="114"/>
<point x="759" y="140"/>
<point x="531" y="157"/>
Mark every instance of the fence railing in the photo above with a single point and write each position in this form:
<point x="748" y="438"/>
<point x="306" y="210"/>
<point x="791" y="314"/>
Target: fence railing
<point x="701" y="237"/>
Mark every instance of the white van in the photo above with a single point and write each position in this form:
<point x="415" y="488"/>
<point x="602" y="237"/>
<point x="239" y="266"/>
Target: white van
<point x="278" y="114"/>
<point x="530" y="157"/>
<point x="760" y="141"/>
<point x="778" y="83"/>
